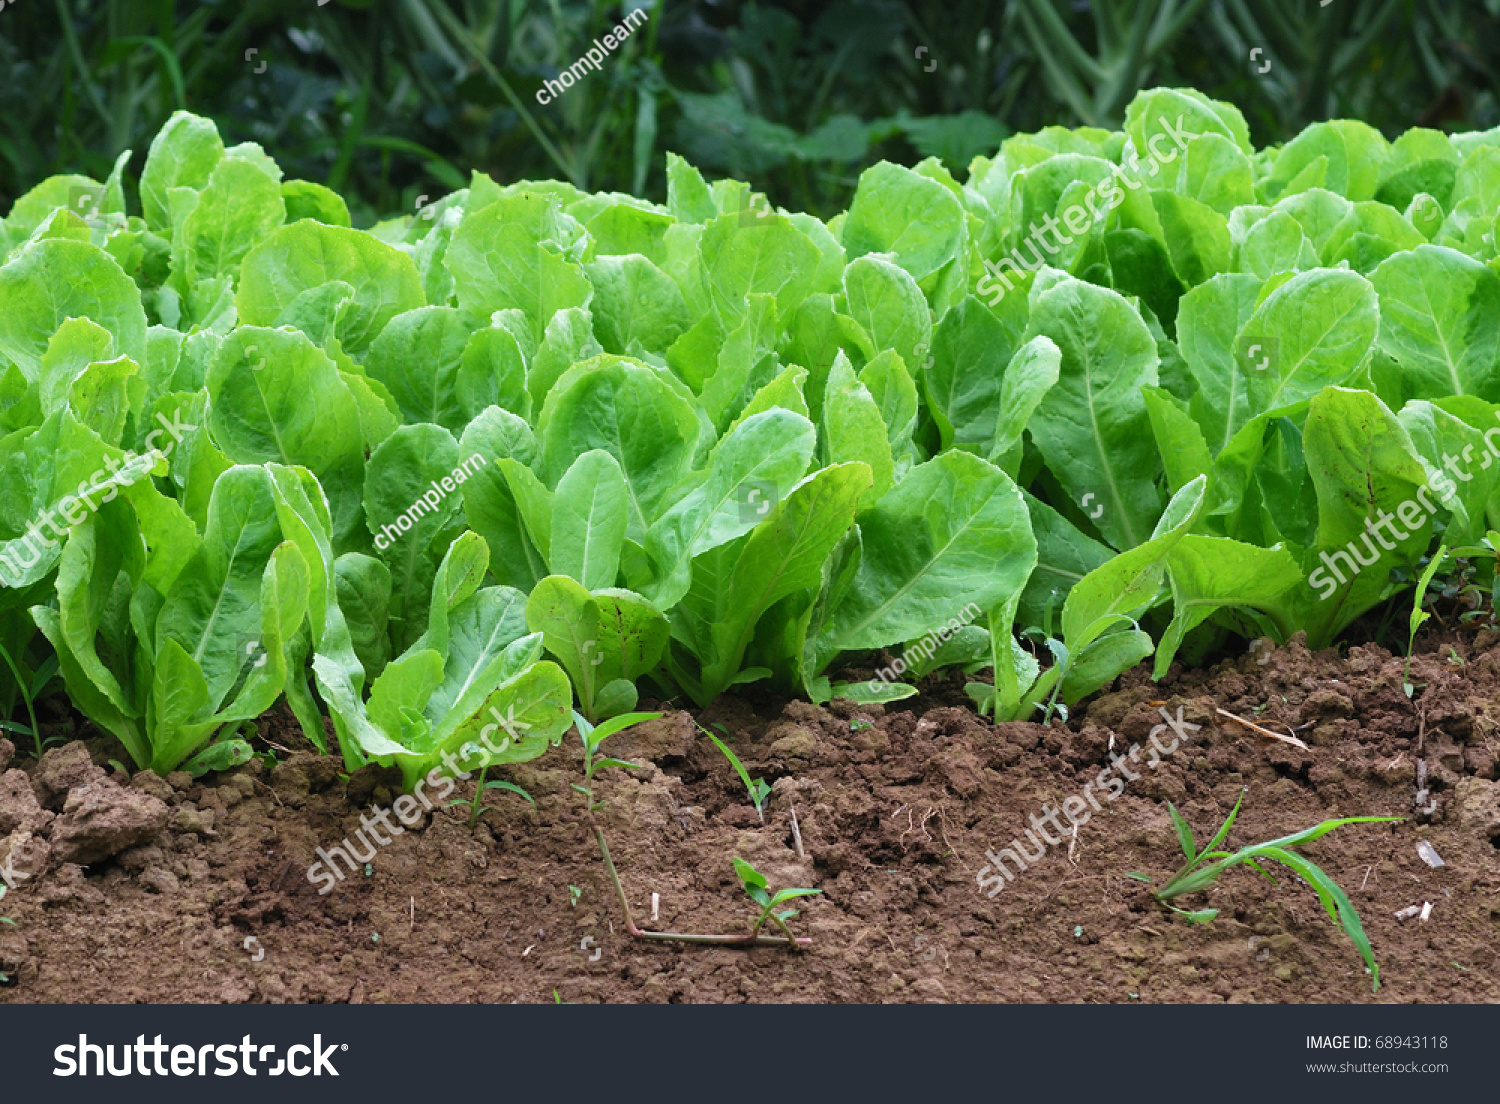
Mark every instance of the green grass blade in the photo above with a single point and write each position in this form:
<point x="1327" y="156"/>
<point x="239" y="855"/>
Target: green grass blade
<point x="1335" y="902"/>
<point x="1307" y="835"/>
<point x="1223" y="833"/>
<point x="734" y="760"/>
<point x="1184" y="833"/>
<point x="501" y="784"/>
<point x="618" y="724"/>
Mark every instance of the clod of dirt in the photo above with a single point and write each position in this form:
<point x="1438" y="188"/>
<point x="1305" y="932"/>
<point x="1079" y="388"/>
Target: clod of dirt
<point x="301" y="775"/>
<point x="148" y="781"/>
<point x="7" y="753"/>
<point x="197" y="821"/>
<point x="24" y="855"/>
<point x="1477" y="803"/>
<point x="796" y="745"/>
<point x="665" y="742"/>
<point x="101" y="818"/>
<point x="61" y="769"/>
<point x="18" y="804"/>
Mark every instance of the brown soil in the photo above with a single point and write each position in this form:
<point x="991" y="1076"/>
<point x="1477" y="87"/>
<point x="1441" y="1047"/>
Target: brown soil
<point x="895" y="819"/>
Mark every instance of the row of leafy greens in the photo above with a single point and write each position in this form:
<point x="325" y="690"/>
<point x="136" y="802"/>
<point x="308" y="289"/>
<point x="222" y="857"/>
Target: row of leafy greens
<point x="438" y="477"/>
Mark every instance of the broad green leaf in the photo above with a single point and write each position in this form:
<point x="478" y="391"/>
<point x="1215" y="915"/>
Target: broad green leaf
<point x="183" y="154"/>
<point x="489" y="506"/>
<point x="276" y="397"/>
<point x="1355" y="153"/>
<point x="636" y="306"/>
<point x="50" y="281"/>
<point x="853" y="429"/>
<point x="955" y="531"/>
<point x="413" y="516"/>
<point x="896" y="210"/>
<point x="1130" y="582"/>
<point x="767" y="255"/>
<point x="962" y="379"/>
<point x="887" y="303"/>
<point x="1210" y="573"/>
<point x="1440" y="321"/>
<point x="307" y="255"/>
<point x="237" y="210"/>
<point x="749" y="472"/>
<point x="782" y="556"/>
<point x="1092" y="427"/>
<point x="1364" y="466"/>
<point x="630" y="411"/>
<point x="1316" y="329"/>
<point x="588" y="520"/>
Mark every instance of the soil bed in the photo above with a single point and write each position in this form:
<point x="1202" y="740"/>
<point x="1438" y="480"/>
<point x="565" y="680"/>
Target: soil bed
<point x="896" y="810"/>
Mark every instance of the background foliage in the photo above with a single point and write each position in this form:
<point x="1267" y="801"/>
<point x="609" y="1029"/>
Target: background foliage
<point x="386" y="100"/>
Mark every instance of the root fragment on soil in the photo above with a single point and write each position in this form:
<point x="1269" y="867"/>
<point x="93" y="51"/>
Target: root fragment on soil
<point x="796" y="838"/>
<point x="1263" y="731"/>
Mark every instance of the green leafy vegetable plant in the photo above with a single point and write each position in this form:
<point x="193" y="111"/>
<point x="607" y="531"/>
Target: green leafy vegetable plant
<point x="544" y="448"/>
<point x="1203" y="868"/>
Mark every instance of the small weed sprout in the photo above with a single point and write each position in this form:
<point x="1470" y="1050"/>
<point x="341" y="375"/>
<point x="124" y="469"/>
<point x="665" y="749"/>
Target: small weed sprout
<point x="574" y="894"/>
<point x="30" y="692"/>
<point x="595" y="735"/>
<point x="476" y="805"/>
<point x="592" y="737"/>
<point x="1195" y="877"/>
<point x="1418" y="614"/>
<point x="756" y="787"/>
<point x="755" y="885"/>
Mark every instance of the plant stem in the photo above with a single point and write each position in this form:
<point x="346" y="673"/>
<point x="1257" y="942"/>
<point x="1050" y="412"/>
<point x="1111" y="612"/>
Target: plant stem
<point x="24" y="691"/>
<point x="474" y="809"/>
<point x="752" y="939"/>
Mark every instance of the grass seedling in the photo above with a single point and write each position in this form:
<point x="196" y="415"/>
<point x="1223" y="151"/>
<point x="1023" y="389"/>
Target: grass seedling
<point x="593" y="736"/>
<point x="1418" y="614"/>
<point x="755" y="885"/>
<point x="757" y="787"/>
<point x="30" y="692"/>
<point x="476" y="805"/>
<point x="1194" y="876"/>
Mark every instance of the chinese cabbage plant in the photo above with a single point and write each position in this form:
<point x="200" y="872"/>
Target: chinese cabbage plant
<point x="1126" y="394"/>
